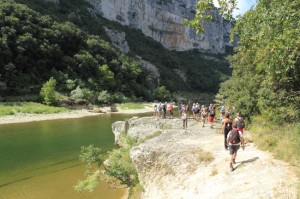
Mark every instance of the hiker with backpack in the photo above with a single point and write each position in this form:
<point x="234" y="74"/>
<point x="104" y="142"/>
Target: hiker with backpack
<point x="211" y="115"/>
<point x="239" y="121"/>
<point x="226" y="128"/>
<point x="197" y="111"/>
<point x="234" y="140"/>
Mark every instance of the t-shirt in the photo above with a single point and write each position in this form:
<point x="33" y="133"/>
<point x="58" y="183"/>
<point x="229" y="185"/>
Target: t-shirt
<point x="241" y="135"/>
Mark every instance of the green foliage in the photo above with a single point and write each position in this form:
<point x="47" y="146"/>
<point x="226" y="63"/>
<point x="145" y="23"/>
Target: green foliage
<point x="129" y="105"/>
<point x="163" y="94"/>
<point x="118" y="165"/>
<point x="265" y="78"/>
<point x="282" y="140"/>
<point x="35" y="47"/>
<point x="90" y="155"/>
<point x="203" y="12"/>
<point x="28" y="107"/>
<point x="104" y="97"/>
<point x="48" y="92"/>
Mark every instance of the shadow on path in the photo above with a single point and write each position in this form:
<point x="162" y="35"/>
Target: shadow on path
<point x="246" y="161"/>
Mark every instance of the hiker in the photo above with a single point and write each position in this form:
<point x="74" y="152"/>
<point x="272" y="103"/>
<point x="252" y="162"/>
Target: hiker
<point x="234" y="140"/>
<point x="159" y="110"/>
<point x="184" y="117"/>
<point x="165" y="109"/>
<point x="211" y="115"/>
<point x="203" y="115"/>
<point x="226" y="127"/>
<point x="193" y="110"/>
<point x="155" y="110"/>
<point x="197" y="112"/>
<point x="180" y="109"/>
<point x="171" y="109"/>
<point x="222" y="111"/>
<point x="239" y="121"/>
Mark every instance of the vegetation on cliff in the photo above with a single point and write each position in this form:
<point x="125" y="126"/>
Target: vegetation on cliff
<point x="67" y="41"/>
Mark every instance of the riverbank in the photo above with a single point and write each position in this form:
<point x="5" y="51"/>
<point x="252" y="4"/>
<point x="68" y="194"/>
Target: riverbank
<point x="22" y="117"/>
<point x="192" y="163"/>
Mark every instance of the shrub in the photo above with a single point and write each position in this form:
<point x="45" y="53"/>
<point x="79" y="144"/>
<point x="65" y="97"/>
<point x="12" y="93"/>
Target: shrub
<point x="77" y="93"/>
<point x="48" y="91"/>
<point x="104" y="97"/>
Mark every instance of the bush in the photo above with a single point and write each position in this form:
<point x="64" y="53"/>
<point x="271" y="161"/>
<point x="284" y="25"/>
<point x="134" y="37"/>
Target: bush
<point x="48" y="92"/>
<point x="77" y="93"/>
<point x="104" y="97"/>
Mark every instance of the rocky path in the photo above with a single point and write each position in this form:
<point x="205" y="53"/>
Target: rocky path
<point x="175" y="164"/>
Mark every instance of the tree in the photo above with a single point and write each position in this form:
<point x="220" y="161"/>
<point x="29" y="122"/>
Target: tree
<point x="266" y="75"/>
<point x="48" y="92"/>
<point x="203" y="12"/>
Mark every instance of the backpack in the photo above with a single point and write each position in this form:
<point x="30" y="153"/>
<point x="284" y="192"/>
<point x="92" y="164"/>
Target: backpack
<point x="160" y="108"/>
<point x="234" y="137"/>
<point x="240" y="123"/>
<point x="211" y="112"/>
<point x="222" y="110"/>
<point x="228" y="126"/>
<point x="197" y="110"/>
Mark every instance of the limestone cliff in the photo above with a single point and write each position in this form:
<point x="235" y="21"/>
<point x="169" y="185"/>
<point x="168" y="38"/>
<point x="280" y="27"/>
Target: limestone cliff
<point x="162" y="20"/>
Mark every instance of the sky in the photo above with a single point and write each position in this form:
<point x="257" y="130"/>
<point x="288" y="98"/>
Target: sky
<point x="243" y="5"/>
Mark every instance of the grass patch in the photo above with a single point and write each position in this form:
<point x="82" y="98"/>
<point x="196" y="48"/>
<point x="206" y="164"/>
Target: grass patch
<point x="131" y="105"/>
<point x="13" y="108"/>
<point x="205" y="156"/>
<point x="283" y="141"/>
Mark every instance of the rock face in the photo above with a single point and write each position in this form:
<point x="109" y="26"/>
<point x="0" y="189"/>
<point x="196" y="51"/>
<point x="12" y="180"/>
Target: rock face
<point x="118" y="40"/>
<point x="193" y="164"/>
<point x="163" y="21"/>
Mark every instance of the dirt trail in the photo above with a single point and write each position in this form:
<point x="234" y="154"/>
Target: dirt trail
<point x="257" y="174"/>
<point x="170" y="167"/>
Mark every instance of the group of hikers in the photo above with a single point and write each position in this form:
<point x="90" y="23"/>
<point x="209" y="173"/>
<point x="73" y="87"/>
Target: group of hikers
<point x="232" y="126"/>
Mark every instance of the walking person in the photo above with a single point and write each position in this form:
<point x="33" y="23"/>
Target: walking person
<point x="234" y="140"/>
<point x="211" y="116"/>
<point x="171" y="109"/>
<point x="155" y="110"/>
<point x="184" y="117"/>
<point x="239" y="121"/>
<point x="226" y="128"/>
<point x="165" y="110"/>
<point x="222" y="111"/>
<point x="203" y="115"/>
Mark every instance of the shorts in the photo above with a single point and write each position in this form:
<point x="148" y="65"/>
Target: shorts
<point x="211" y="119"/>
<point x="233" y="149"/>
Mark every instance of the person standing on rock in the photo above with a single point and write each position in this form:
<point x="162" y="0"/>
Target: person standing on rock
<point x="234" y="141"/>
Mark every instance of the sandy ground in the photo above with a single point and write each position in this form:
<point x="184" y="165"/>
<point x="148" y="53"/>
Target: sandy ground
<point x="257" y="173"/>
<point x="19" y="118"/>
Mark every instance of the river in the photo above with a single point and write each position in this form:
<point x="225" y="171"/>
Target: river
<point x="40" y="159"/>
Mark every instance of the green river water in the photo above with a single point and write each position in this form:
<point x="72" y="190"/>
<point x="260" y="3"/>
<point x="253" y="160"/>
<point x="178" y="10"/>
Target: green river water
<point x="39" y="160"/>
